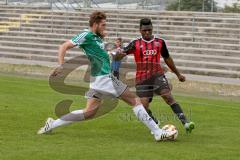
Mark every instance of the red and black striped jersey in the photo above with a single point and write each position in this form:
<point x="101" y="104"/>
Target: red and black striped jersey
<point x="147" y="55"/>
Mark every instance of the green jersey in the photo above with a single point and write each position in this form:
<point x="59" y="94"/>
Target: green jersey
<point x="93" y="47"/>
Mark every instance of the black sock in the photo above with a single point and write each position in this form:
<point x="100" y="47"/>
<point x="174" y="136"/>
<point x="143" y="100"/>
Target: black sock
<point x="178" y="111"/>
<point x="151" y="115"/>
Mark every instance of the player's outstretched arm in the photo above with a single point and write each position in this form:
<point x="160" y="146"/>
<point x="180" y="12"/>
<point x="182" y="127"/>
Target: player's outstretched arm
<point x="171" y="65"/>
<point x="61" y="54"/>
<point x="63" y="49"/>
<point x="128" y="49"/>
<point x="118" y="55"/>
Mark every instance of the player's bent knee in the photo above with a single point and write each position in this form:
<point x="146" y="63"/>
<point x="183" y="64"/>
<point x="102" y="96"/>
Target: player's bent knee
<point x="130" y="98"/>
<point x="145" y="102"/>
<point x="168" y="99"/>
<point x="165" y="92"/>
<point x="137" y="101"/>
<point x="134" y="101"/>
<point x="88" y="114"/>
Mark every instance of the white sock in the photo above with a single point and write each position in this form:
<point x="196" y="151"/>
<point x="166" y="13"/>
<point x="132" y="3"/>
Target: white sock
<point x="143" y="116"/>
<point x="69" y="118"/>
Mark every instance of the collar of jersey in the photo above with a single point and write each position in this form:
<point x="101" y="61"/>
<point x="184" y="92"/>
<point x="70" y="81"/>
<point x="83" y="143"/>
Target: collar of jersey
<point x="148" y="41"/>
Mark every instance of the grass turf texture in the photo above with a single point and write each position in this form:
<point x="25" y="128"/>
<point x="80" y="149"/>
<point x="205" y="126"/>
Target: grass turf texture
<point x="26" y="103"/>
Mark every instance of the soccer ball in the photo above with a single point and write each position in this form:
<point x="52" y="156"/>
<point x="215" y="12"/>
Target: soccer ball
<point x="170" y="127"/>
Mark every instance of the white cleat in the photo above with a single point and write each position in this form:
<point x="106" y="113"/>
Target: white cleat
<point x="164" y="135"/>
<point x="47" y="127"/>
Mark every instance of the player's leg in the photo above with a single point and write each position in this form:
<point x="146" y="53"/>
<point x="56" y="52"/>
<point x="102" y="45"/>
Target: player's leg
<point x="143" y="116"/>
<point x="165" y="91"/>
<point x="145" y="92"/>
<point x="75" y="116"/>
<point x="176" y="108"/>
<point x="146" y="101"/>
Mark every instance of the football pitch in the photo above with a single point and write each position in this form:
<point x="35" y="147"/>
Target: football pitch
<point x="25" y="104"/>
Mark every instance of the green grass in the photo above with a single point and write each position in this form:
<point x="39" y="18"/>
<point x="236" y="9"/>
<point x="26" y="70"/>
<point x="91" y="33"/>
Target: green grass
<point x="26" y="103"/>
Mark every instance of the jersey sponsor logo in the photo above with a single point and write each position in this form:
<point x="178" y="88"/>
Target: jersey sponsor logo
<point x="150" y="52"/>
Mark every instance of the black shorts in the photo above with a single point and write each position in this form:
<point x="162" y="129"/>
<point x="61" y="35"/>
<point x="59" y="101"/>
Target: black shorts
<point x="155" y="84"/>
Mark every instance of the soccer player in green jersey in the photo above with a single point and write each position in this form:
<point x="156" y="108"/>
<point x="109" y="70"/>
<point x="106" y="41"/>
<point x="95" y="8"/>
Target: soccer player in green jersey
<point x="102" y="83"/>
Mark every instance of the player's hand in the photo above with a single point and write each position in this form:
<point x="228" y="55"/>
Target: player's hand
<point x="181" y="78"/>
<point x="57" y="71"/>
<point x="119" y="54"/>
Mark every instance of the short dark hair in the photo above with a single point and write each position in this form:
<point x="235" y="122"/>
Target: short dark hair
<point x="145" y="21"/>
<point x="96" y="17"/>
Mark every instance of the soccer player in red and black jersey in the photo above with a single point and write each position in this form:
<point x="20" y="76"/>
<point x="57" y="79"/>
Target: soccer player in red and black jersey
<point x="147" y="51"/>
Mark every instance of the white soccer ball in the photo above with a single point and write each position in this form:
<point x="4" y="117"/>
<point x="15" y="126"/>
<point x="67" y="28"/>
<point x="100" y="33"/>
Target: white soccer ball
<point x="170" y="127"/>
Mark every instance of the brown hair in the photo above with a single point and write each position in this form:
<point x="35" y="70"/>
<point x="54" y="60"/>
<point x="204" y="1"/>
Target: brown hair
<point x="119" y="39"/>
<point x="96" y="17"/>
